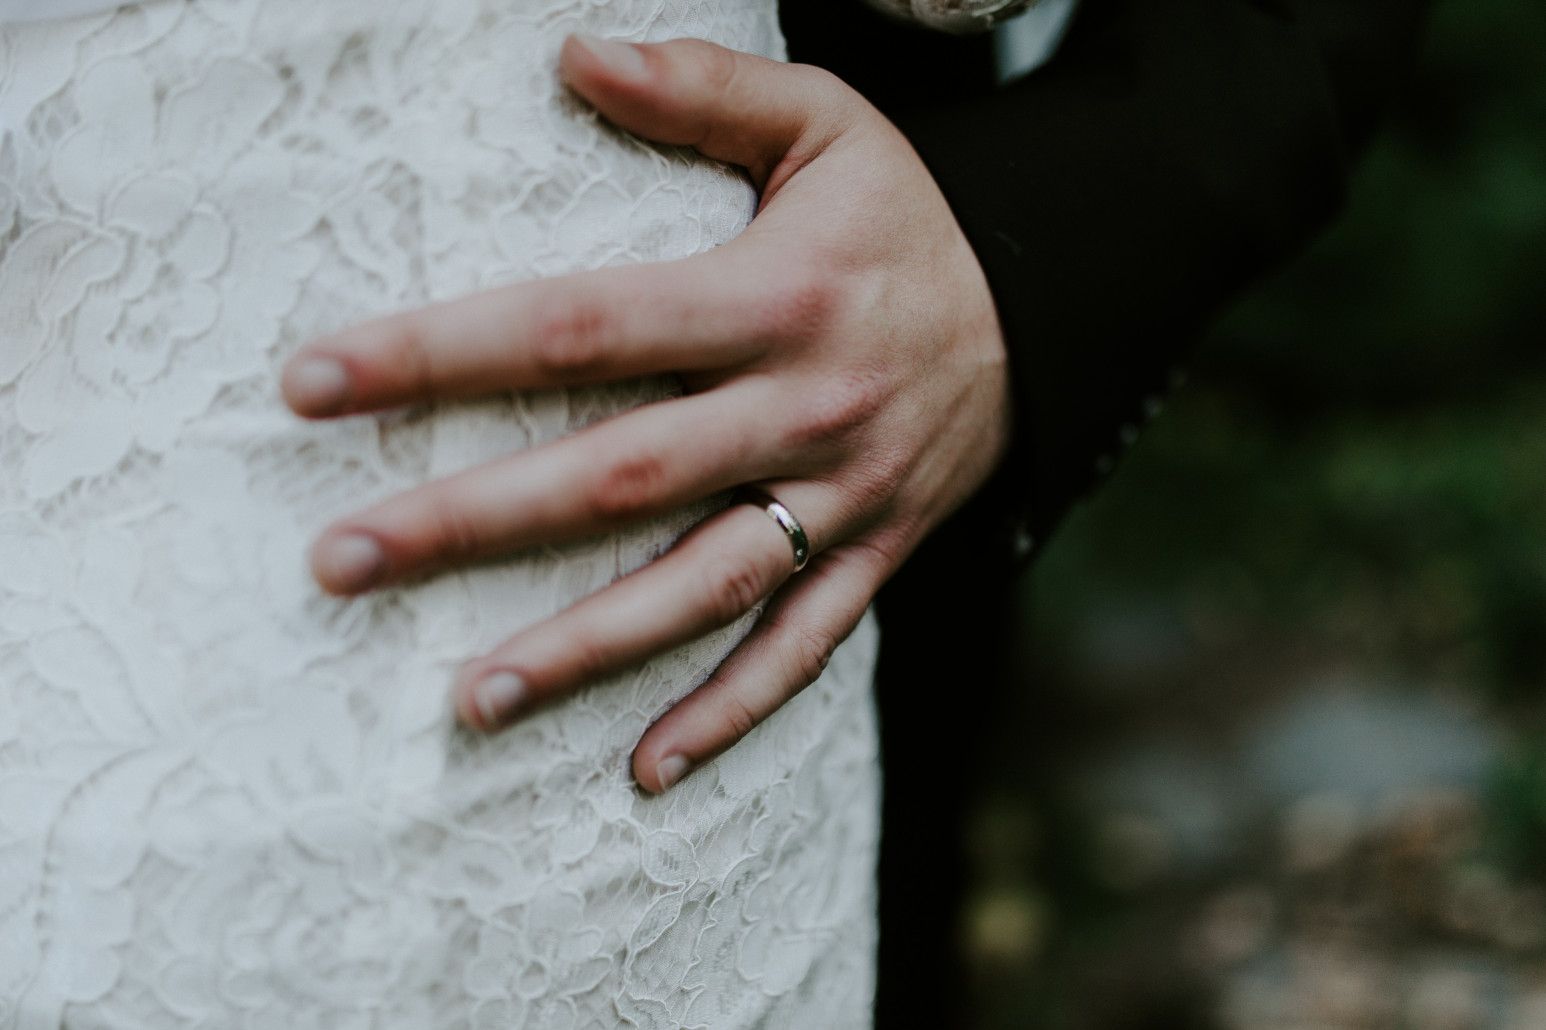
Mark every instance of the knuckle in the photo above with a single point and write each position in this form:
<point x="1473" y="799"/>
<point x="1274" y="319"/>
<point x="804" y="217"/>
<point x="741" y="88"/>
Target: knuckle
<point x="455" y="532"/>
<point x="883" y="551"/>
<point x="591" y="657"/>
<point x="812" y="650"/>
<point x="843" y="404"/>
<point x="818" y="76"/>
<point x="571" y="337"/>
<point x="629" y="488"/>
<point x="718" y="66"/>
<point x="409" y="351"/>
<point x="840" y="100"/>
<point x="735" y="585"/>
<point x="739" y="716"/>
<point x="834" y="105"/>
<point x="801" y="306"/>
<point x="876" y="480"/>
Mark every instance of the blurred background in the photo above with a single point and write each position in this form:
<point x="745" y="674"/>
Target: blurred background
<point x="1282" y="756"/>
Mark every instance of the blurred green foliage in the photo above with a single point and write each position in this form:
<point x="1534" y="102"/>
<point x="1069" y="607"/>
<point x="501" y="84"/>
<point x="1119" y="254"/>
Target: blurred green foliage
<point x="1362" y="453"/>
<point x="1356" y="474"/>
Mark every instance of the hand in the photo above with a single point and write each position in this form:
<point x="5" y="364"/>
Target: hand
<point x="843" y="353"/>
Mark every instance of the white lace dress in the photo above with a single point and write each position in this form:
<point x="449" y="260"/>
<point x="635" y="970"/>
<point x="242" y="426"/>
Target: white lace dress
<point x="227" y="801"/>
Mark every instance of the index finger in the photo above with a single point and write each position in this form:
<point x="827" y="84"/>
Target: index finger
<point x="694" y="314"/>
<point x="732" y="106"/>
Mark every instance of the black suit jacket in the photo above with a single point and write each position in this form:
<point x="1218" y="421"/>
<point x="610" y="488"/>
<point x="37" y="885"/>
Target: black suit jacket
<point x="1172" y="152"/>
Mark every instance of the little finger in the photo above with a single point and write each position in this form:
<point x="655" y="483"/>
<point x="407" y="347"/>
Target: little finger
<point x="787" y="651"/>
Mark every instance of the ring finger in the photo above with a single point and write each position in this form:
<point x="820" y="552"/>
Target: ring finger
<point x="714" y="575"/>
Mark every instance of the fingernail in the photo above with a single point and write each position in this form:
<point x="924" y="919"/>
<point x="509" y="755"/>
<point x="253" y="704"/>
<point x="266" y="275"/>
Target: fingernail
<point x="496" y="698"/>
<point x="621" y="59"/>
<point x="670" y="770"/>
<point x="349" y="563"/>
<point x="317" y="386"/>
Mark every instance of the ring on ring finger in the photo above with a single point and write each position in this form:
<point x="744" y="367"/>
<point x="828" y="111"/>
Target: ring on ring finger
<point x="786" y="521"/>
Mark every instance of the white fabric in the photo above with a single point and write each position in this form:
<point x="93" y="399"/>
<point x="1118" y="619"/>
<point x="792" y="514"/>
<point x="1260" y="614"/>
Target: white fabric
<point x="32" y="10"/>
<point x="228" y="801"/>
<point x="1026" y="42"/>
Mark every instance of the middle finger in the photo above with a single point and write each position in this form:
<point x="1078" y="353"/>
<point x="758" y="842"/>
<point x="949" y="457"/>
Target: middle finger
<point x="634" y="466"/>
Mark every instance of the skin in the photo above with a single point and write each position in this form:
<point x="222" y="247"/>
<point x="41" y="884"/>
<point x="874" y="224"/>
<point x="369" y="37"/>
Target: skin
<point x="843" y="354"/>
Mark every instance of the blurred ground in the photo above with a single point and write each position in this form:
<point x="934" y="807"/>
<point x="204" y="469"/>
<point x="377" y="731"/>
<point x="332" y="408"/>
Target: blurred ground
<point x="1281" y="761"/>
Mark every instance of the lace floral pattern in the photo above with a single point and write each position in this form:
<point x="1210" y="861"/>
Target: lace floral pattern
<point x="228" y="801"/>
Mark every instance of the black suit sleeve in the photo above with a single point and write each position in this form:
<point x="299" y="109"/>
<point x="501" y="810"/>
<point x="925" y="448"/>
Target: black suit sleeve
<point x="1173" y="151"/>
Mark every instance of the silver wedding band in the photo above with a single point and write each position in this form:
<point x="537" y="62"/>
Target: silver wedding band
<point x="786" y="521"/>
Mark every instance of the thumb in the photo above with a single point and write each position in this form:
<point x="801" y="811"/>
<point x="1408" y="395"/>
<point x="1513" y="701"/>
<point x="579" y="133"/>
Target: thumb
<point x="725" y="104"/>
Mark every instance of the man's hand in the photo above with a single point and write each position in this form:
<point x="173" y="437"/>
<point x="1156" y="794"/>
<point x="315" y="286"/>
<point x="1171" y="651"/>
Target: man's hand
<point x="843" y="354"/>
